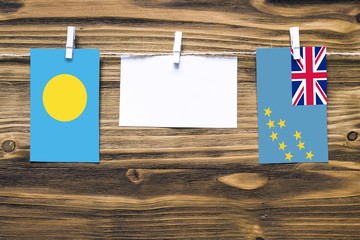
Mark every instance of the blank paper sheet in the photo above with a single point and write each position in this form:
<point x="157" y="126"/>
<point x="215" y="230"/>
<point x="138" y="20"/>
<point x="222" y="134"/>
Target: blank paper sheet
<point x="200" y="92"/>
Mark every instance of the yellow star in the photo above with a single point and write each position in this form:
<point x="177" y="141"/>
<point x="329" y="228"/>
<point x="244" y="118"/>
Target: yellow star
<point x="270" y="124"/>
<point x="301" y="145"/>
<point x="309" y="155"/>
<point x="273" y="136"/>
<point x="281" y="123"/>
<point x="288" y="156"/>
<point x="267" y="112"/>
<point x="282" y="146"/>
<point x="297" y="135"/>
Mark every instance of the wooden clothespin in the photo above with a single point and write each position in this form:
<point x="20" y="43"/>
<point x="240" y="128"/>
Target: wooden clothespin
<point x="295" y="42"/>
<point x="70" y="42"/>
<point x="177" y="47"/>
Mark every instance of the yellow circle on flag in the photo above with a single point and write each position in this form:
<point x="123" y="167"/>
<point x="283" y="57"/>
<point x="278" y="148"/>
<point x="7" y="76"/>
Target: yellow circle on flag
<point x="64" y="97"/>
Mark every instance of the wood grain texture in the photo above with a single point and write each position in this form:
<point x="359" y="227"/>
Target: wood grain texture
<point x="166" y="183"/>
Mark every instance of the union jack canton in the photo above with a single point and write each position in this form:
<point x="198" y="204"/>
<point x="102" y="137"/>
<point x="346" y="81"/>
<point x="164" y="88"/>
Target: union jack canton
<point x="309" y="77"/>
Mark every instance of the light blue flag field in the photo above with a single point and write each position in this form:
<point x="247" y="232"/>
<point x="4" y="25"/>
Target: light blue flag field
<point x="64" y="106"/>
<point x="287" y="133"/>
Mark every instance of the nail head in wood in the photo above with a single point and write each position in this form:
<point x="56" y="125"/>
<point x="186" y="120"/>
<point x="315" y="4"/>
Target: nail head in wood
<point x="8" y="146"/>
<point x="135" y="176"/>
<point x="352" y="136"/>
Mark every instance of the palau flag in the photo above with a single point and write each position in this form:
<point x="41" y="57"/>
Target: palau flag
<point x="292" y="98"/>
<point x="64" y="106"/>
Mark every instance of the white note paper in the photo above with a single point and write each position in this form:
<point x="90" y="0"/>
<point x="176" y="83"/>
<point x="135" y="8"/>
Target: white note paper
<point x="200" y="92"/>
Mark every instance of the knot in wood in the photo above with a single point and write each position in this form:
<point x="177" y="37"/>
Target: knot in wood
<point x="259" y="238"/>
<point x="135" y="176"/>
<point x="8" y="146"/>
<point x="358" y="18"/>
<point x="352" y="136"/>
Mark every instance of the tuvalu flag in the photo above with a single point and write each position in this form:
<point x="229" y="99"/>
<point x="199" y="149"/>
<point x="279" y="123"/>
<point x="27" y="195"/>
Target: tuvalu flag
<point x="64" y="106"/>
<point x="290" y="132"/>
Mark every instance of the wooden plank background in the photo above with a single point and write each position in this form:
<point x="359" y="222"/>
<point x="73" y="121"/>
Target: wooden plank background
<point x="179" y="183"/>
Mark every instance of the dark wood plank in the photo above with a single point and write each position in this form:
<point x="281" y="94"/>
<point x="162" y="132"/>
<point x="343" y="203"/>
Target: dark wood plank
<point x="165" y="183"/>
